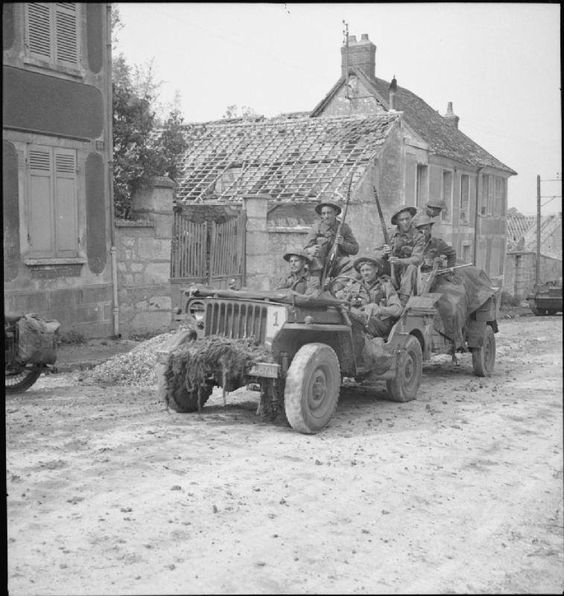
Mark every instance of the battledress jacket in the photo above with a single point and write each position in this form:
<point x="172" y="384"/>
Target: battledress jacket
<point x="377" y="300"/>
<point x="435" y="247"/>
<point x="323" y="234"/>
<point x="409" y="244"/>
<point x="303" y="283"/>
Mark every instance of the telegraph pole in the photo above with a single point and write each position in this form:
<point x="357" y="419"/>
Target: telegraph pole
<point x="539" y="197"/>
<point x="537" y="263"/>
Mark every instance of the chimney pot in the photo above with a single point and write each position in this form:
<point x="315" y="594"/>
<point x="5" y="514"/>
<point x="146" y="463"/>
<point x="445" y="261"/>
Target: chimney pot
<point x="364" y="36"/>
<point x="352" y="38"/>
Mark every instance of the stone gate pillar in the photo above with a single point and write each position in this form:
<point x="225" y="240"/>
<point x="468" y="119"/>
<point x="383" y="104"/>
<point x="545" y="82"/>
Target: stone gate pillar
<point x="257" y="258"/>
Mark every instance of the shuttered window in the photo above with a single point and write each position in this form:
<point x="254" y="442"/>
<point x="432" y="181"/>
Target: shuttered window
<point x="52" y="202"/>
<point x="52" y="32"/>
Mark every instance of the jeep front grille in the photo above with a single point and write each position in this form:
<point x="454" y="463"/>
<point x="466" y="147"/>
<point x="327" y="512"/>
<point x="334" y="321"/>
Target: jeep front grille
<point x="236" y="320"/>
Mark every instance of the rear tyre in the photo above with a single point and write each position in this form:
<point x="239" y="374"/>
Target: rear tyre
<point x="406" y="383"/>
<point x="483" y="358"/>
<point x="20" y="379"/>
<point x="312" y="388"/>
<point x="538" y="312"/>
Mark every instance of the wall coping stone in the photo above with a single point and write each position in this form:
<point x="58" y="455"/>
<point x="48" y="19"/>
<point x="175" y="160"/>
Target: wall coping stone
<point x="134" y="223"/>
<point x="162" y="182"/>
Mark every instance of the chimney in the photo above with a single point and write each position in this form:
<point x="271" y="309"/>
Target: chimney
<point x="362" y="55"/>
<point x="450" y="116"/>
<point x="392" y="91"/>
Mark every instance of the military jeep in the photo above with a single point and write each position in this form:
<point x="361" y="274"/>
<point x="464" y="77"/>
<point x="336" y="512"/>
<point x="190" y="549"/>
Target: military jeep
<point x="311" y="342"/>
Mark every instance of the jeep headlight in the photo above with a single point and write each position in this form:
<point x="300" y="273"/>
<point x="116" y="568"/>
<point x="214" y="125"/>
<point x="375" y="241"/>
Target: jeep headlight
<point x="197" y="310"/>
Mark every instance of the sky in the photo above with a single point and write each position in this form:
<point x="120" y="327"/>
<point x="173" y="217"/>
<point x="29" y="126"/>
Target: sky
<point x="498" y="63"/>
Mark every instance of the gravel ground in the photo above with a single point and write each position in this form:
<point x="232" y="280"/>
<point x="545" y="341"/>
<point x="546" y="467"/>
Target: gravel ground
<point x="459" y="491"/>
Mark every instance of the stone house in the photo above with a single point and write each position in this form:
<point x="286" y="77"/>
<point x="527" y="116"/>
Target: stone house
<point x="438" y="161"/>
<point x="382" y="135"/>
<point x="57" y="146"/>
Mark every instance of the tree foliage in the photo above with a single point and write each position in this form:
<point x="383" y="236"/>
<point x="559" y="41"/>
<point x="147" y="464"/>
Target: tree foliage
<point x="145" y="145"/>
<point x="235" y="111"/>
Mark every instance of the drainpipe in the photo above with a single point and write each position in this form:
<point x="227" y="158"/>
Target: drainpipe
<point x="475" y="256"/>
<point x="109" y="159"/>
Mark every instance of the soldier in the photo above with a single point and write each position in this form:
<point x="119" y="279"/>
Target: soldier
<point x="300" y="279"/>
<point x="322" y="236"/>
<point x="434" y="247"/>
<point x="433" y="207"/>
<point x="405" y="252"/>
<point x="374" y="300"/>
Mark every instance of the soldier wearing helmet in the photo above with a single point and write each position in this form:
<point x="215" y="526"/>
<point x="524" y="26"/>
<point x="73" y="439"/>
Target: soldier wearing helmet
<point x="323" y="234"/>
<point x="433" y="207"/>
<point x="374" y="302"/>
<point x="405" y="251"/>
<point x="434" y="247"/>
<point x="300" y="279"/>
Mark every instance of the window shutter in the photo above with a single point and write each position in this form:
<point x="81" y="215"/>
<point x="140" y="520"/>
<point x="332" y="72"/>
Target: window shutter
<point x="40" y="202"/>
<point x="66" y="228"/>
<point x="66" y="32"/>
<point x="39" y="29"/>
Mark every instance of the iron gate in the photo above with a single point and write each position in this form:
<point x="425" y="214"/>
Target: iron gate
<point x="208" y="252"/>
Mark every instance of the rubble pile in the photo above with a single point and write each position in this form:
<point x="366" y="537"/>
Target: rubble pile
<point x="136" y="368"/>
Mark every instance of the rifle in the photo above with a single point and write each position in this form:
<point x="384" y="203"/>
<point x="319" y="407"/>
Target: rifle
<point x="451" y="269"/>
<point x="332" y="256"/>
<point x="384" y="229"/>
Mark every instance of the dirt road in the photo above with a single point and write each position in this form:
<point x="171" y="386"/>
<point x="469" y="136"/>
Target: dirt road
<point x="460" y="491"/>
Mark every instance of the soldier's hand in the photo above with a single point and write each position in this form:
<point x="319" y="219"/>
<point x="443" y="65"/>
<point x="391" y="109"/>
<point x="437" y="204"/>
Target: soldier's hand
<point x="314" y="250"/>
<point x="385" y="250"/>
<point x="395" y="261"/>
<point x="339" y="239"/>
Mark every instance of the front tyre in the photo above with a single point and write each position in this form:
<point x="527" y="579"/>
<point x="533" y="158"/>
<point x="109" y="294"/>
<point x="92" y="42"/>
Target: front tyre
<point x="404" y="386"/>
<point x="483" y="358"/>
<point x="18" y="380"/>
<point x="181" y="400"/>
<point x="312" y="388"/>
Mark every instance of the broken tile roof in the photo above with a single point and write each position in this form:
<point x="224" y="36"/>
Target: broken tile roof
<point x="517" y="227"/>
<point x="290" y="158"/>
<point x="443" y="138"/>
<point x="522" y="233"/>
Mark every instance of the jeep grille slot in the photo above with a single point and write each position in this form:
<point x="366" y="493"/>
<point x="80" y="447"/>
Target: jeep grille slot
<point x="236" y="320"/>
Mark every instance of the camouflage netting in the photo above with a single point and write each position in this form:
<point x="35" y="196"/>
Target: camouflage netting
<point x="225" y="360"/>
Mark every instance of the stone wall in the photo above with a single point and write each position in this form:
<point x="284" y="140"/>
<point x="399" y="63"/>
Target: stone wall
<point x="143" y="262"/>
<point x="519" y="277"/>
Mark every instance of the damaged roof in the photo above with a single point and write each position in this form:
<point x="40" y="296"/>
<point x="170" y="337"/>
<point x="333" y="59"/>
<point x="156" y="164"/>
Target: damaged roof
<point x="299" y="158"/>
<point x="443" y="138"/>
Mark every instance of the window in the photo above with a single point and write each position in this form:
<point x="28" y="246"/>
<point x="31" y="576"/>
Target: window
<point x="52" y="202"/>
<point x="421" y="190"/>
<point x="499" y="198"/>
<point x="466" y="256"/>
<point x="485" y="195"/>
<point x="52" y="33"/>
<point x="447" y="195"/>
<point x="464" y="198"/>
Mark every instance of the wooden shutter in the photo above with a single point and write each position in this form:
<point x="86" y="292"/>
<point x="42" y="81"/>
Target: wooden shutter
<point x="39" y="39"/>
<point x="66" y="229"/>
<point x="40" y="204"/>
<point x="66" y="32"/>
